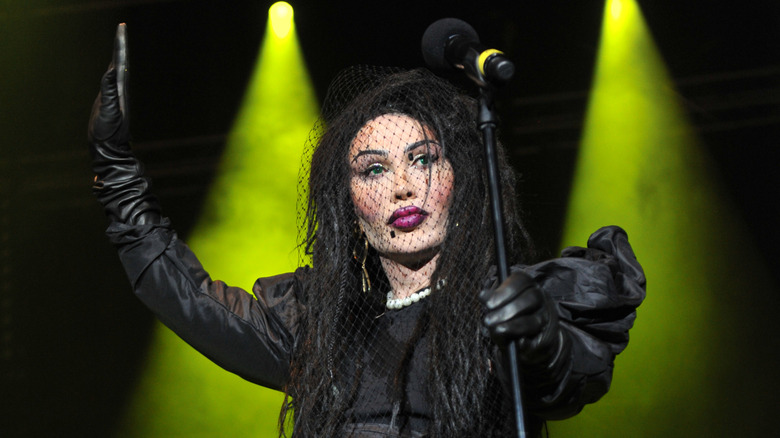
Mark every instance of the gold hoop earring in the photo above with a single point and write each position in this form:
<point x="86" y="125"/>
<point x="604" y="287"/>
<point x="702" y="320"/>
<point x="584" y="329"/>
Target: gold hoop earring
<point x="365" y="280"/>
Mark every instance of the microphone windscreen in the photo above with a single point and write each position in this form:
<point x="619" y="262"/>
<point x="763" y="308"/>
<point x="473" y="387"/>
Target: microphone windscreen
<point x="435" y="38"/>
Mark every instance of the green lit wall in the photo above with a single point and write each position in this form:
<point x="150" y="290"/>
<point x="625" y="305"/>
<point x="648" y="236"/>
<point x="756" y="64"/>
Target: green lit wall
<point x="640" y="166"/>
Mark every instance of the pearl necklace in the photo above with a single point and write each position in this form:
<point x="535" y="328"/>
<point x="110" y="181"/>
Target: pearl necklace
<point x="400" y="303"/>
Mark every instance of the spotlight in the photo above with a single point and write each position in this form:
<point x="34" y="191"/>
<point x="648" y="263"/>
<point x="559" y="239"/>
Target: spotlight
<point x="280" y="14"/>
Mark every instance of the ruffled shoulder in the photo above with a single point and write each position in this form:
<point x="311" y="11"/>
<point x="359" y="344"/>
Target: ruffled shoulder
<point x="597" y="288"/>
<point x="282" y="298"/>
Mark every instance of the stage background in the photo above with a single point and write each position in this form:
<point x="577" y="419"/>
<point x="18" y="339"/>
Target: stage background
<point x="74" y="341"/>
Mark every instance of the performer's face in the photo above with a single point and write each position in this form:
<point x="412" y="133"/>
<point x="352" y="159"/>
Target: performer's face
<point x="401" y="187"/>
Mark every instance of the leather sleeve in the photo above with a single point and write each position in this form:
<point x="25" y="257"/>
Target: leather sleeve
<point x="597" y="290"/>
<point x="250" y="337"/>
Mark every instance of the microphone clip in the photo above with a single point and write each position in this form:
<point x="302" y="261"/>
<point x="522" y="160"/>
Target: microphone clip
<point x="483" y="65"/>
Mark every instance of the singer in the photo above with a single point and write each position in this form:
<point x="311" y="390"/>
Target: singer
<point x="395" y="327"/>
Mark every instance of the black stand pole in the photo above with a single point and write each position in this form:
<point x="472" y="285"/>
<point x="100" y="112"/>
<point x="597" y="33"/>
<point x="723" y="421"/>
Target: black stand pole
<point x="486" y="122"/>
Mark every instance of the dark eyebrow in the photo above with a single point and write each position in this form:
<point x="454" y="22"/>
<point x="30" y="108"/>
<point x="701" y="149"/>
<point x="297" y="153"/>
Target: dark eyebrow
<point x="384" y="153"/>
<point x="369" y="152"/>
<point x="420" y="143"/>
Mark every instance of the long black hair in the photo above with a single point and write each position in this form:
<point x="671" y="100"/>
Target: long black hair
<point x="465" y="398"/>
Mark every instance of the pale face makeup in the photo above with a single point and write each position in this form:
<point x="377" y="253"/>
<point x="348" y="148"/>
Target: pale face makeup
<point x="401" y="188"/>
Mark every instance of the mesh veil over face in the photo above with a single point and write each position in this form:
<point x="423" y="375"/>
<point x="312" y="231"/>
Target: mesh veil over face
<point x="395" y="225"/>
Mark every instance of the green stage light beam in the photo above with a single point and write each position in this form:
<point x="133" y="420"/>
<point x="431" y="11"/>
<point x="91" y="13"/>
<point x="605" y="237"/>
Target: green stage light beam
<point x="247" y="230"/>
<point x="640" y="166"/>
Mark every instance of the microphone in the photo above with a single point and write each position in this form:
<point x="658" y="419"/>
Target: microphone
<point x="450" y="44"/>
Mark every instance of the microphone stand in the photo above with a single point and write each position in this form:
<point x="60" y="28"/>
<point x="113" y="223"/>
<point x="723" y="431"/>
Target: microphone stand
<point x="486" y="122"/>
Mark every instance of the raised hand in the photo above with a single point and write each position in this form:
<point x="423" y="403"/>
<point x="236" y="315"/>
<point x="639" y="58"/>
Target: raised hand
<point x="108" y="124"/>
<point x="119" y="181"/>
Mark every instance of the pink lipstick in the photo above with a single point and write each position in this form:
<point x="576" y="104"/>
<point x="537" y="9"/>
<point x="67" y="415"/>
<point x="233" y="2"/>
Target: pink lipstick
<point x="407" y="218"/>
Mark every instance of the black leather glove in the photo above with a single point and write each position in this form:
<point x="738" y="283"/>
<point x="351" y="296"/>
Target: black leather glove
<point x="119" y="182"/>
<point x="518" y="311"/>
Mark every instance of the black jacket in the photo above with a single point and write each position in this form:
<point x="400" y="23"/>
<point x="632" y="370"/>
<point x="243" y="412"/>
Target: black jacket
<point x="597" y="290"/>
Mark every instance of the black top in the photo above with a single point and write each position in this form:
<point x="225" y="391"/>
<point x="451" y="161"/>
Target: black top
<point x="389" y="339"/>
